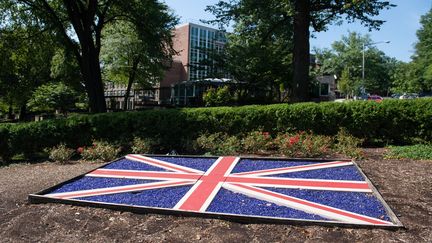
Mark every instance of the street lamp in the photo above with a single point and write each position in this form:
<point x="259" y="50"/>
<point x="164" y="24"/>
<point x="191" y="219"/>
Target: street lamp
<point x="363" y="63"/>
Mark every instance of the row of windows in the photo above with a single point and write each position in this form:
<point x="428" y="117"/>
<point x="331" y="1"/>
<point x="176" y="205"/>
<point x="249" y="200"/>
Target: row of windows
<point x="117" y="93"/>
<point x="203" y="40"/>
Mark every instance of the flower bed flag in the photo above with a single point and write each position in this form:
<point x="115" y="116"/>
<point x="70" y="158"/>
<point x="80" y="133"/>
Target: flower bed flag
<point x="329" y="192"/>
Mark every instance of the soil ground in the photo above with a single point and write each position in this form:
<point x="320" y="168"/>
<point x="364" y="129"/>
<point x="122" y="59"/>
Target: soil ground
<point x="406" y="185"/>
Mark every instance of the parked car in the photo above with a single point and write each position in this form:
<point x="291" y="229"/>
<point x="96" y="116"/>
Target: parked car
<point x="409" y="96"/>
<point x="375" y="98"/>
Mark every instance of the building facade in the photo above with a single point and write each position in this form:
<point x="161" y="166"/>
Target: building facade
<point x="195" y="45"/>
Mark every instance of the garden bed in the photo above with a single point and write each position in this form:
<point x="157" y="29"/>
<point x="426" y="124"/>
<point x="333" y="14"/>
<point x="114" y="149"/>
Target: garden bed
<point x="404" y="184"/>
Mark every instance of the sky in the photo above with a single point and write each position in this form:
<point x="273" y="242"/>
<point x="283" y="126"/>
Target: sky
<point x="400" y="28"/>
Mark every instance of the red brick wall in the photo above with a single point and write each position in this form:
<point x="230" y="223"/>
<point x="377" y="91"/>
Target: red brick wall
<point x="178" y="70"/>
<point x="181" y="44"/>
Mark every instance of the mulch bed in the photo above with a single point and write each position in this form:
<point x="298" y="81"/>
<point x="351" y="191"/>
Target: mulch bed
<point x="406" y="185"/>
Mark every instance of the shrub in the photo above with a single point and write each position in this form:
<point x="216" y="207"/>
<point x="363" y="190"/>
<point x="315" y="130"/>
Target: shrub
<point x="60" y="153"/>
<point x="219" y="144"/>
<point x="100" y="151"/>
<point x="142" y="146"/>
<point x="257" y="142"/>
<point x="418" y="152"/>
<point x="390" y="122"/>
<point x="347" y="144"/>
<point x="217" y="97"/>
<point x="303" y="144"/>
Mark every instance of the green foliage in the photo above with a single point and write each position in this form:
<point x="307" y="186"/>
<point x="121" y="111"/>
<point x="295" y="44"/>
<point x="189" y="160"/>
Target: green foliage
<point x="61" y="153"/>
<point x="256" y="52"/>
<point x="24" y="63"/>
<point x="100" y="151"/>
<point x="345" y="60"/>
<point x="257" y="142"/>
<point x="5" y="148"/>
<point x="142" y="146"/>
<point x="391" y="121"/>
<point x="422" y="59"/>
<point x="270" y="31"/>
<point x="303" y="144"/>
<point x="153" y="21"/>
<point x="129" y="58"/>
<point x="405" y="79"/>
<point x="53" y="96"/>
<point x="348" y="85"/>
<point x="418" y="152"/>
<point x="219" y="144"/>
<point x="218" y="97"/>
<point x="347" y="144"/>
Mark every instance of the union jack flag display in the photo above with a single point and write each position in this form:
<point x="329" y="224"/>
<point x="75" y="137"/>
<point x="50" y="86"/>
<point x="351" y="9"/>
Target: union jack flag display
<point x="292" y="190"/>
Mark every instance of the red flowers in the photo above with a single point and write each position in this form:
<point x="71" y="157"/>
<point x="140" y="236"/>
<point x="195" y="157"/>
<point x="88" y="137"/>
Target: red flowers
<point x="80" y="150"/>
<point x="294" y="140"/>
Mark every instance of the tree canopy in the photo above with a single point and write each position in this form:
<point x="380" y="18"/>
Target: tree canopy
<point x="423" y="53"/>
<point x="300" y="16"/>
<point x="78" y="25"/>
<point x="25" y="55"/>
<point x="254" y="55"/>
<point x="345" y="60"/>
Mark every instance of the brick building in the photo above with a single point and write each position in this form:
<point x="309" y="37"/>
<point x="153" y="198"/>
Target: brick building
<point x="194" y="44"/>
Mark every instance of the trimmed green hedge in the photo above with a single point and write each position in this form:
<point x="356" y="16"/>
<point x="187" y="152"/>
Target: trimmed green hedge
<point x="391" y="122"/>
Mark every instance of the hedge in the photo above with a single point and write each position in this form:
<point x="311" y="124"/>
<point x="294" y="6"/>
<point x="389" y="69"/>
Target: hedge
<point x="390" y="122"/>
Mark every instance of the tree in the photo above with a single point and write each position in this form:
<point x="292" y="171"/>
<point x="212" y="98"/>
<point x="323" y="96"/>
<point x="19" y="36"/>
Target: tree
<point x="256" y="56"/>
<point x="304" y="14"/>
<point x="53" y="96"/>
<point x="25" y="64"/>
<point x="422" y="58"/>
<point x="348" y="84"/>
<point x="405" y="78"/>
<point x="128" y="59"/>
<point x="345" y="60"/>
<point x="79" y="24"/>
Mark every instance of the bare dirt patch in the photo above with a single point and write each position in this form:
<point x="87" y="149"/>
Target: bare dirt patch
<point x="406" y="185"/>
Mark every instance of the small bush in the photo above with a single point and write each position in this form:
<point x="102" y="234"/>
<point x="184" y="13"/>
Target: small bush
<point x="218" y="97"/>
<point x="219" y="144"/>
<point x="418" y="152"/>
<point x="142" y="146"/>
<point x="347" y="144"/>
<point x="257" y="142"/>
<point x="60" y="153"/>
<point x="303" y="144"/>
<point x="100" y="151"/>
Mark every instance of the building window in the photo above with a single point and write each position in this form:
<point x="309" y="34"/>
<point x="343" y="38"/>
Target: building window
<point x="324" y="89"/>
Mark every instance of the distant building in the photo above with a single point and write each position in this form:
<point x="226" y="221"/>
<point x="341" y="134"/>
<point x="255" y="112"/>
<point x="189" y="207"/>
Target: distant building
<point x="195" y="45"/>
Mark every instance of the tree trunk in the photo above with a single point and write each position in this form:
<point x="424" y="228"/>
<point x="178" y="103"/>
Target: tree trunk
<point x="82" y="19"/>
<point x="10" y="114"/>
<point x="23" y="113"/>
<point x="301" y="59"/>
<point x="131" y="80"/>
<point x="91" y="71"/>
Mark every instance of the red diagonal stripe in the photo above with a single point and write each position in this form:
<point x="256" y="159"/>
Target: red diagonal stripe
<point x="201" y="194"/>
<point x="162" y="164"/>
<point x="135" y="174"/>
<point x="365" y="219"/>
<point x="295" y="168"/>
<point x="109" y="190"/>
<point x="301" y="183"/>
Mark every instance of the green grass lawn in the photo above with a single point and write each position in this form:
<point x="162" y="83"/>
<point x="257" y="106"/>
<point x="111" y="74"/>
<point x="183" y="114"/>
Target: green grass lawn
<point x="419" y="151"/>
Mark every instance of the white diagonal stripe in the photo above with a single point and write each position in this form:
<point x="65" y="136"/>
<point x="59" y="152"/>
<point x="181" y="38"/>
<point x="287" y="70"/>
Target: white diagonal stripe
<point x="162" y="164"/>
<point x="312" y="208"/>
<point x="118" y="189"/>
